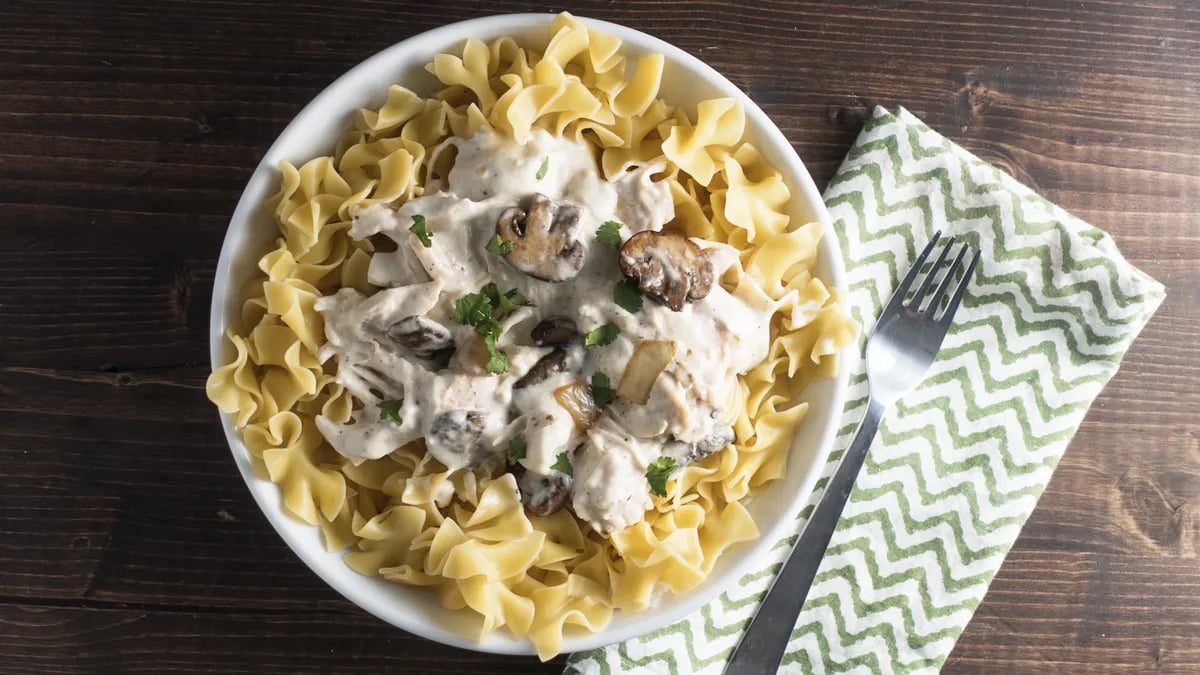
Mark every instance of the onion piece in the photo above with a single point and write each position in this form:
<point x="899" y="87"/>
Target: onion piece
<point x="648" y="361"/>
<point x="576" y="398"/>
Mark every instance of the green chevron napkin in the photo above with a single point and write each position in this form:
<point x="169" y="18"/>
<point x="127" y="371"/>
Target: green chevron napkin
<point x="960" y="463"/>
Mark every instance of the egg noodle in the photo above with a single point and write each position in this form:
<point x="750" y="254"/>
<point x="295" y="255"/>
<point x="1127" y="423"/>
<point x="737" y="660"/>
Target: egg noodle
<point x="534" y="576"/>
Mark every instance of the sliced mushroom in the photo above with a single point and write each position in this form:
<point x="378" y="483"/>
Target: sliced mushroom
<point x="545" y="245"/>
<point x="440" y="359"/>
<point x="679" y="451"/>
<point x="552" y="363"/>
<point x="668" y="267"/>
<point x="686" y="453"/>
<point x="485" y="455"/>
<point x="720" y="436"/>
<point x="555" y="331"/>
<point x="421" y="334"/>
<point x="453" y="438"/>
<point x="544" y="494"/>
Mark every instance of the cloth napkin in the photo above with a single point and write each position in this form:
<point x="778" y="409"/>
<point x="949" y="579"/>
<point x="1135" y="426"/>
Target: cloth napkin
<point x="960" y="462"/>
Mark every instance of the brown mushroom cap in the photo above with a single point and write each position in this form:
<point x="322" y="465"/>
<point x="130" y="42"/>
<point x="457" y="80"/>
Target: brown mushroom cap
<point x="543" y="235"/>
<point x="544" y="494"/>
<point x="555" y="331"/>
<point x="720" y="436"/>
<point x="686" y="453"/>
<point x="420" y="334"/>
<point x="668" y="267"/>
<point x="455" y="435"/>
<point x="456" y="429"/>
<point x="548" y="365"/>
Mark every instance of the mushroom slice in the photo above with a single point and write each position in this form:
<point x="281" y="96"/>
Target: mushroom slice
<point x="648" y="361"/>
<point x="454" y="438"/>
<point x="555" y="331"/>
<point x="720" y="436"/>
<point x="543" y="238"/>
<point x="668" y="267"/>
<point x="420" y="334"/>
<point x="544" y="494"/>
<point x="552" y="363"/>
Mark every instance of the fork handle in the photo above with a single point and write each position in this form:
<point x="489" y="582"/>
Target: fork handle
<point x="762" y="645"/>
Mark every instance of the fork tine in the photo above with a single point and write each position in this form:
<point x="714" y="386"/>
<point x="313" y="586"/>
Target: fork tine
<point x="902" y="289"/>
<point x="962" y="289"/>
<point x="915" y="305"/>
<point x="941" y="289"/>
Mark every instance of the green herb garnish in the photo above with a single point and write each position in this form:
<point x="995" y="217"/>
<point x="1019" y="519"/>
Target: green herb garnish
<point x="488" y="327"/>
<point x="658" y="473"/>
<point x="628" y="296"/>
<point x="505" y="303"/>
<point x="541" y="172"/>
<point x="472" y="308"/>
<point x="514" y="296"/>
<point x="516" y="449"/>
<point x="602" y="392"/>
<point x="389" y="411"/>
<point x="499" y="245"/>
<point x="563" y="465"/>
<point x="483" y="311"/>
<point x="497" y="360"/>
<point x="490" y="291"/>
<point x="418" y="228"/>
<point x="609" y="233"/>
<point x="601" y="336"/>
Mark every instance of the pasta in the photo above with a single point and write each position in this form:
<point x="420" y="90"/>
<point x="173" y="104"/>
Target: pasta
<point x="463" y="534"/>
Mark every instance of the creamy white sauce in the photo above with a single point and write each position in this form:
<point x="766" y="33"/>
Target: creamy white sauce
<point x="716" y="338"/>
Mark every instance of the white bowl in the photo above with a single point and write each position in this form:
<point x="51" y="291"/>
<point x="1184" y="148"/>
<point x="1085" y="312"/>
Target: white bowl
<point x="686" y="81"/>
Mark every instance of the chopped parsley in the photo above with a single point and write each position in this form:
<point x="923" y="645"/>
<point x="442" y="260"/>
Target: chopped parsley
<point x="628" y="296"/>
<point x="563" y="465"/>
<point x="418" y="228"/>
<point x="504" y="303"/>
<point x="389" y="411"/>
<point x="472" y="308"/>
<point x="541" y="172"/>
<point x="658" y="473"/>
<point x="483" y="311"/>
<point x="507" y="304"/>
<point x="601" y="336"/>
<point x="497" y="360"/>
<point x="516" y="449"/>
<point x="602" y="391"/>
<point x="609" y="233"/>
<point x="500" y="246"/>
<point x="490" y="291"/>
<point x="488" y="328"/>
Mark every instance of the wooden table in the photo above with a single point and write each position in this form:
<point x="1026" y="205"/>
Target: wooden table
<point x="127" y="540"/>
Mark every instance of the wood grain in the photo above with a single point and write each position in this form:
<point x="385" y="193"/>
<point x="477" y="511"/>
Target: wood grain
<point x="127" y="131"/>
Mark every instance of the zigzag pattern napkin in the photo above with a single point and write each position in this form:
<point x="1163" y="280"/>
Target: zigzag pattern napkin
<point x="960" y="463"/>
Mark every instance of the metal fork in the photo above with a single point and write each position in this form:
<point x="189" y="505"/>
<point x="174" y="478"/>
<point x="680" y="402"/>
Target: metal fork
<point x="900" y="350"/>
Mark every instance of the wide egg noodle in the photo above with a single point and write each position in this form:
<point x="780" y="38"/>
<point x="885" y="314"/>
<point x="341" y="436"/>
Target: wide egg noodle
<point x="695" y="148"/>
<point x="464" y="535"/>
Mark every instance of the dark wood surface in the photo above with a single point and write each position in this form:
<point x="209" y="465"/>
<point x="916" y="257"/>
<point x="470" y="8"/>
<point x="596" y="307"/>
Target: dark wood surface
<point x="129" y="544"/>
